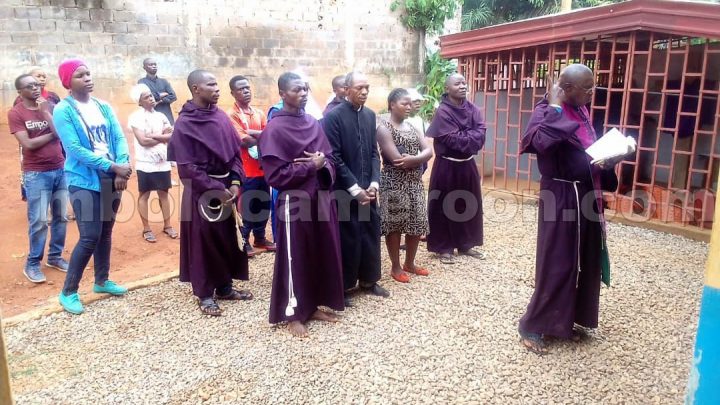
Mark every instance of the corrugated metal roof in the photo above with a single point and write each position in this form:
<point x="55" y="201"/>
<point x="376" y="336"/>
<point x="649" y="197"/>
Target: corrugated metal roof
<point x="673" y="17"/>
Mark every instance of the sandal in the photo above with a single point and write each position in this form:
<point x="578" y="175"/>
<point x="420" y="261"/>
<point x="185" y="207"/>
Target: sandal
<point x="149" y="236"/>
<point x="534" y="342"/>
<point x="447" y="258"/>
<point x="579" y="335"/>
<point x="473" y="253"/>
<point x="171" y="232"/>
<point x="400" y="278"/>
<point x="419" y="271"/>
<point x="208" y="306"/>
<point x="236" y="295"/>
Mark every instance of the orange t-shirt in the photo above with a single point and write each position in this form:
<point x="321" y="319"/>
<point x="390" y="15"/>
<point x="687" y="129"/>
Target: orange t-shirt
<point x="243" y="121"/>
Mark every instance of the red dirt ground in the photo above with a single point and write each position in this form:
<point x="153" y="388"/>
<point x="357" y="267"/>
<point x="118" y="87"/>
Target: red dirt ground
<point x="132" y="258"/>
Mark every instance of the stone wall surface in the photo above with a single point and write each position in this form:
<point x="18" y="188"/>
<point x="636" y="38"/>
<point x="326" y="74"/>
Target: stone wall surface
<point x="228" y="37"/>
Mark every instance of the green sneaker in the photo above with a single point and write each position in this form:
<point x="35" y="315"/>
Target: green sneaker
<point x="71" y="303"/>
<point x="110" y="288"/>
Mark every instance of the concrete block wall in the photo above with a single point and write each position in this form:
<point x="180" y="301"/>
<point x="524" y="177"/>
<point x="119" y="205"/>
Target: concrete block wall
<point x="227" y="37"/>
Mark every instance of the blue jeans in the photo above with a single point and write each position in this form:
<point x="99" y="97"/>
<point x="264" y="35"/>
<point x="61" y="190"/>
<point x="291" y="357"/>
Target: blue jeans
<point x="46" y="190"/>
<point x="95" y="217"/>
<point x="255" y="207"/>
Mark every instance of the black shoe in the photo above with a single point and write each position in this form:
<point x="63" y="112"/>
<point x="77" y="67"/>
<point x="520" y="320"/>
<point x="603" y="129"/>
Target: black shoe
<point x="348" y="302"/>
<point x="375" y="289"/>
<point x="249" y="251"/>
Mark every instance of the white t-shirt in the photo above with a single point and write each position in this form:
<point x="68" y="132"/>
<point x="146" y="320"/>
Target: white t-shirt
<point x="418" y="123"/>
<point x="97" y="127"/>
<point x="154" y="158"/>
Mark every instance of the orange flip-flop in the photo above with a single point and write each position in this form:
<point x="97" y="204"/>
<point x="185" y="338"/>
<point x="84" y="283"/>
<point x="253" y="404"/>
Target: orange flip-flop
<point x="401" y="278"/>
<point x="418" y="271"/>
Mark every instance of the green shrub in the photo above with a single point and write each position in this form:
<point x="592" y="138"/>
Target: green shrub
<point x="437" y="70"/>
<point x="426" y="15"/>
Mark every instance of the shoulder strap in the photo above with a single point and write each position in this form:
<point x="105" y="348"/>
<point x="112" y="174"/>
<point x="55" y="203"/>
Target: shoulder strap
<point x="73" y="104"/>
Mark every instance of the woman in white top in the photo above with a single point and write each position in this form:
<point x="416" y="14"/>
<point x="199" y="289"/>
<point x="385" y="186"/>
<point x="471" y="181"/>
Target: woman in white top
<point x="152" y="132"/>
<point x="415" y="119"/>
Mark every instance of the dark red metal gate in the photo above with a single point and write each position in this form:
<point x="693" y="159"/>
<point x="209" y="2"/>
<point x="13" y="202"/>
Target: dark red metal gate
<point x="663" y="90"/>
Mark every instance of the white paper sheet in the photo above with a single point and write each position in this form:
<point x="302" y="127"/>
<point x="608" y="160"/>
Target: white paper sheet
<point x="611" y="145"/>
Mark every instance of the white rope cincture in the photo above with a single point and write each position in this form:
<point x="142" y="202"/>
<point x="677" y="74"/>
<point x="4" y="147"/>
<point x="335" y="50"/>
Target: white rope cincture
<point x="219" y="176"/>
<point x="292" y="301"/>
<point x="219" y="207"/>
<point x="452" y="159"/>
<point x="577" y="199"/>
<point x="207" y="217"/>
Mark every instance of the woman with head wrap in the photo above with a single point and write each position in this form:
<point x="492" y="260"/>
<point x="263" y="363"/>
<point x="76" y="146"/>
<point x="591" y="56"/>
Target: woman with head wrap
<point x="152" y="132"/>
<point x="97" y="169"/>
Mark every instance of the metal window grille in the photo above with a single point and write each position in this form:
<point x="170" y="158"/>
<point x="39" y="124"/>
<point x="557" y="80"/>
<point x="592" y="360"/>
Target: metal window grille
<point x="660" y="89"/>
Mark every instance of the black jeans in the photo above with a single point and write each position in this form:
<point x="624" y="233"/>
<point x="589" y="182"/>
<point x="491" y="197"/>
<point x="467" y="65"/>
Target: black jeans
<point x="95" y="216"/>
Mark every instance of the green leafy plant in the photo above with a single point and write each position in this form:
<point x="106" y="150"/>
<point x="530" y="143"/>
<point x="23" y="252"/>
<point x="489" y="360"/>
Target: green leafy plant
<point x="426" y="15"/>
<point x="437" y="70"/>
<point x="484" y="13"/>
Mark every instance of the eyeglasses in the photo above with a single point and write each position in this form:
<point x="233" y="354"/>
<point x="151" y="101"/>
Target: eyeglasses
<point x="591" y="90"/>
<point x="30" y="86"/>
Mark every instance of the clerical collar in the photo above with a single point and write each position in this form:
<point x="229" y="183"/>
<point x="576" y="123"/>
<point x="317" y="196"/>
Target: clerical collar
<point x="353" y="107"/>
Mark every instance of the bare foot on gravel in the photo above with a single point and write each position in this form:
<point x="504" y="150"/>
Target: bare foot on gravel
<point x="325" y="316"/>
<point x="297" y="329"/>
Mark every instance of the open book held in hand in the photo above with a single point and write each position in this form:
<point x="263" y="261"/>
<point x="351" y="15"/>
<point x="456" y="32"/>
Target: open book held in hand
<point x="611" y="145"/>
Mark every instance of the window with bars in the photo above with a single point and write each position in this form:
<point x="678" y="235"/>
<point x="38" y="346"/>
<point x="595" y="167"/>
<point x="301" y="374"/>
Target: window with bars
<point x="661" y="89"/>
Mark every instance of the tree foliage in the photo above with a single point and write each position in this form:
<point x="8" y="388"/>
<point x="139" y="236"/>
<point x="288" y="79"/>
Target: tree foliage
<point x="426" y="15"/>
<point x="483" y="13"/>
<point x="429" y="16"/>
<point x="437" y="70"/>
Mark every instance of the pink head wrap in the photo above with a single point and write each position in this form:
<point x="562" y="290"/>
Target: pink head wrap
<point x="66" y="70"/>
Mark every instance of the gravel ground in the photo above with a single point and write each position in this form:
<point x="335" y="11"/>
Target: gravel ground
<point x="447" y="338"/>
